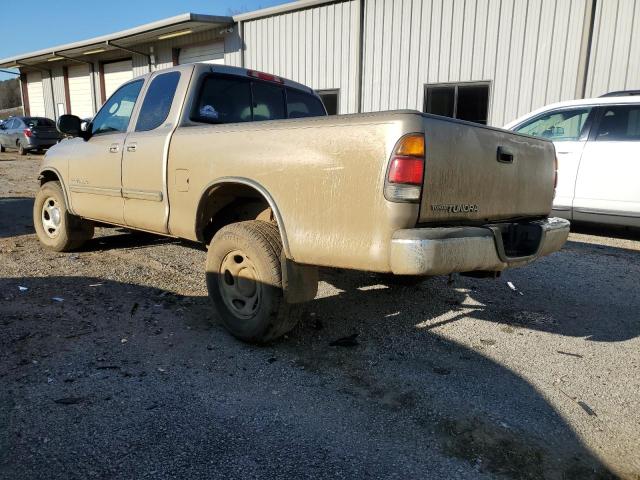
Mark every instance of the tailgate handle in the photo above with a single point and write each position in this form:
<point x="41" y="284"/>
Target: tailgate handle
<point x="504" y="155"/>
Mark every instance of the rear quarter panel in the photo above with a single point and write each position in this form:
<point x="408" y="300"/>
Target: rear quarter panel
<point x="325" y="175"/>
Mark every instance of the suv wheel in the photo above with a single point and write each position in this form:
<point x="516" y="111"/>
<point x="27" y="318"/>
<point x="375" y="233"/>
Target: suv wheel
<point x="56" y="228"/>
<point x="244" y="279"/>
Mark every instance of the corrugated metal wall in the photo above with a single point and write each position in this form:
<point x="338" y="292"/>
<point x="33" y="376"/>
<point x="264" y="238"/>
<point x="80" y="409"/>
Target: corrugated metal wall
<point x="615" y="52"/>
<point x="317" y="47"/>
<point x="528" y="50"/>
<point x="58" y="90"/>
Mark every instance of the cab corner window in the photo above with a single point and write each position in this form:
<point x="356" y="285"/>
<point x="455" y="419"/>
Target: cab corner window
<point x="115" y="114"/>
<point x="268" y="102"/>
<point x="559" y="126"/>
<point x="620" y="123"/>
<point x="223" y="100"/>
<point x="301" y="105"/>
<point x="157" y="101"/>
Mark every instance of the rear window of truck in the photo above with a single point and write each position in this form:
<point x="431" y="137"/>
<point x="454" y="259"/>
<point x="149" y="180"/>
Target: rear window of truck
<point x="232" y="99"/>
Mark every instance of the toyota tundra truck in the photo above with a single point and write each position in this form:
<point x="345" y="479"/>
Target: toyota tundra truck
<point x="250" y="165"/>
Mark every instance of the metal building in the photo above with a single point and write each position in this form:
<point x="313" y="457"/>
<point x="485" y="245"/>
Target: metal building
<point x="481" y="60"/>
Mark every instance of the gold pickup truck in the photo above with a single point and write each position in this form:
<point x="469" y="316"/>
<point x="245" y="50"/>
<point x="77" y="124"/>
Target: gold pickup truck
<point x="250" y="165"/>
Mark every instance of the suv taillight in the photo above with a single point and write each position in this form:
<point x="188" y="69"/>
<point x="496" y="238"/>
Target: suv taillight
<point x="28" y="132"/>
<point x="406" y="170"/>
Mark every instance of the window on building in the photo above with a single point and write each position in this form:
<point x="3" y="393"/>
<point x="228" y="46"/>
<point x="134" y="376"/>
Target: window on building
<point x="330" y="100"/>
<point x="301" y="105"/>
<point x="114" y="116"/>
<point x="620" y="123"/>
<point x="463" y="101"/>
<point x="157" y="101"/>
<point x="559" y="125"/>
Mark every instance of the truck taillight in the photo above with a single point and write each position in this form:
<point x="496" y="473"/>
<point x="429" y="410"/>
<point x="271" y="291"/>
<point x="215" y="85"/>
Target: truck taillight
<point x="28" y="132"/>
<point x="264" y="76"/>
<point x="406" y="170"/>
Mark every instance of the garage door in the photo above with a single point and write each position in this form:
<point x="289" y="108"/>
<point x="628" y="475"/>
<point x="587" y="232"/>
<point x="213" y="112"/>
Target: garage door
<point x="36" y="94"/>
<point x="115" y="74"/>
<point x="206" y="53"/>
<point x="80" y="91"/>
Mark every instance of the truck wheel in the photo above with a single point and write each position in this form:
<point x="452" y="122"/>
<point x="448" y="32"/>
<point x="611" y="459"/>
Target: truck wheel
<point x="244" y="279"/>
<point x="21" y="150"/>
<point x="56" y="228"/>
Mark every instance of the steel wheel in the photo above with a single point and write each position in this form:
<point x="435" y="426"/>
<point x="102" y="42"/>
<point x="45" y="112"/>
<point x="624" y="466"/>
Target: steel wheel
<point x="239" y="286"/>
<point x="51" y="217"/>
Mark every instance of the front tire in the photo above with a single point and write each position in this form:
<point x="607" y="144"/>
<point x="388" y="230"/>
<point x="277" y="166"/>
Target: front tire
<point x="244" y="279"/>
<point x="57" y="229"/>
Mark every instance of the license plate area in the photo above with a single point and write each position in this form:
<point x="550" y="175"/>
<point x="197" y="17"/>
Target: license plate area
<point x="517" y="240"/>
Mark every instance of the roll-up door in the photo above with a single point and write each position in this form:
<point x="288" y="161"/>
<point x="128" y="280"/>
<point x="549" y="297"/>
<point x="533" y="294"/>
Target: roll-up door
<point x="80" y="91"/>
<point x="36" y="95"/>
<point x="115" y="74"/>
<point x="205" y="53"/>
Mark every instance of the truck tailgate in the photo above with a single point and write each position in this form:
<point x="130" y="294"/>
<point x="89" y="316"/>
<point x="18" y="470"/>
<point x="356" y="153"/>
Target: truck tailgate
<point x="481" y="174"/>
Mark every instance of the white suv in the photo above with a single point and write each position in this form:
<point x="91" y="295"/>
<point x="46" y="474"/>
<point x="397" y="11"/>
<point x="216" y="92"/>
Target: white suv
<point x="597" y="143"/>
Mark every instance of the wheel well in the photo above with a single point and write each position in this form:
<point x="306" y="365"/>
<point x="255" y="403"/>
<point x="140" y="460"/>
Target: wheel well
<point x="48" y="176"/>
<point x="228" y="203"/>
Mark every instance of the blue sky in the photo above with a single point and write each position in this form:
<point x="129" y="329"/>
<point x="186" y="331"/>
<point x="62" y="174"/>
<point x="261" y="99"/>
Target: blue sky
<point x="47" y="23"/>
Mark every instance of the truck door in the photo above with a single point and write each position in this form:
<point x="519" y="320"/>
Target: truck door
<point x="568" y="128"/>
<point x="146" y="149"/>
<point x="610" y="167"/>
<point x="95" y="165"/>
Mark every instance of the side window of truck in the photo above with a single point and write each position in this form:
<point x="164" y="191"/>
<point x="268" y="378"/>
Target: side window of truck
<point x="115" y="114"/>
<point x="157" y="101"/>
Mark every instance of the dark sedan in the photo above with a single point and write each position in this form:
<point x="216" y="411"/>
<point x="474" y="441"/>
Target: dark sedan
<point x="28" y="133"/>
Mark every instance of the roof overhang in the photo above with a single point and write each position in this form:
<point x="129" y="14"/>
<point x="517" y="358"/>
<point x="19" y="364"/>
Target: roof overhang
<point x="165" y="29"/>
<point x="280" y="9"/>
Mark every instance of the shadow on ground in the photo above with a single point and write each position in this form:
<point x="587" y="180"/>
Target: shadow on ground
<point x="125" y="381"/>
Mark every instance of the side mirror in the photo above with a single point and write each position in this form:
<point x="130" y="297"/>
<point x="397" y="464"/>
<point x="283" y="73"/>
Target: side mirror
<point x="70" y="125"/>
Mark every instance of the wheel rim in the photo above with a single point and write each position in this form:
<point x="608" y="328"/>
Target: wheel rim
<point x="239" y="286"/>
<point x="51" y="217"/>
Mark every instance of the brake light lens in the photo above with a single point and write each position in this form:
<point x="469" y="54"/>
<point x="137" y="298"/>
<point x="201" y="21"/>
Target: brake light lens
<point x="265" y="76"/>
<point x="28" y="133"/>
<point x="406" y="170"/>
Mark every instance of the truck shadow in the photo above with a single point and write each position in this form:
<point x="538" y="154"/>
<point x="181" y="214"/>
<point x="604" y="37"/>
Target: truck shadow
<point x="16" y="213"/>
<point x="125" y="358"/>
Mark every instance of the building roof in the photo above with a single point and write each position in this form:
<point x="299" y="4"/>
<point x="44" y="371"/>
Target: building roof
<point x="287" y="7"/>
<point x="148" y="32"/>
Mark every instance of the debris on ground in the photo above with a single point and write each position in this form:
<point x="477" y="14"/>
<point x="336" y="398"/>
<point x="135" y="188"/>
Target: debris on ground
<point x="487" y="341"/>
<point x="134" y="308"/>
<point x="58" y="299"/>
<point x="349" y="341"/>
<point x="22" y="289"/>
<point x="577" y="355"/>
<point x="513" y="287"/>
<point x="587" y="409"/>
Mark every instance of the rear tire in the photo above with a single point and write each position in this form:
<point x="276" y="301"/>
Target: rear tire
<point x="244" y="279"/>
<point x="57" y="229"/>
<point x="21" y="149"/>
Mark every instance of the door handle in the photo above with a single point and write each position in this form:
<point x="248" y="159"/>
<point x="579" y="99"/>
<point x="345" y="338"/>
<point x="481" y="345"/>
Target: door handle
<point x="114" y="148"/>
<point x="132" y="148"/>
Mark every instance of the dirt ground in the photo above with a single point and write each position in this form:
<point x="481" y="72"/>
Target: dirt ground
<point x="112" y="365"/>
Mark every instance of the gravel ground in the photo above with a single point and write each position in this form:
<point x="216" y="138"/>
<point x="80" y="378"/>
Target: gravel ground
<point x="131" y="376"/>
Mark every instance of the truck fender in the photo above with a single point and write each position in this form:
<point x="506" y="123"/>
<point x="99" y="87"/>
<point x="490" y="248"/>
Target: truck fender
<point x="54" y="171"/>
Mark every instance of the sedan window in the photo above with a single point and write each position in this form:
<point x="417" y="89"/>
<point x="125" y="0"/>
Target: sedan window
<point x="563" y="125"/>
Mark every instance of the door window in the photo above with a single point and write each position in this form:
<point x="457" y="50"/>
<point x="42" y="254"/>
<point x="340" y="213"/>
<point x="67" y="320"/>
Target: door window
<point x="114" y="116"/>
<point x="157" y="101"/>
<point x="620" y="123"/>
<point x="559" y="126"/>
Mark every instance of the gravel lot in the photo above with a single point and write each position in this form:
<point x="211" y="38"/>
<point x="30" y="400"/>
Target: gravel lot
<point x="131" y="376"/>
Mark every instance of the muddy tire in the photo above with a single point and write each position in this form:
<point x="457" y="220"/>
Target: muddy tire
<point x="57" y="229"/>
<point x="244" y="279"/>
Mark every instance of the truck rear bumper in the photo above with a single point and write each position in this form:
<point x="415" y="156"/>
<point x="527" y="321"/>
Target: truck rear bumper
<point x="494" y="247"/>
